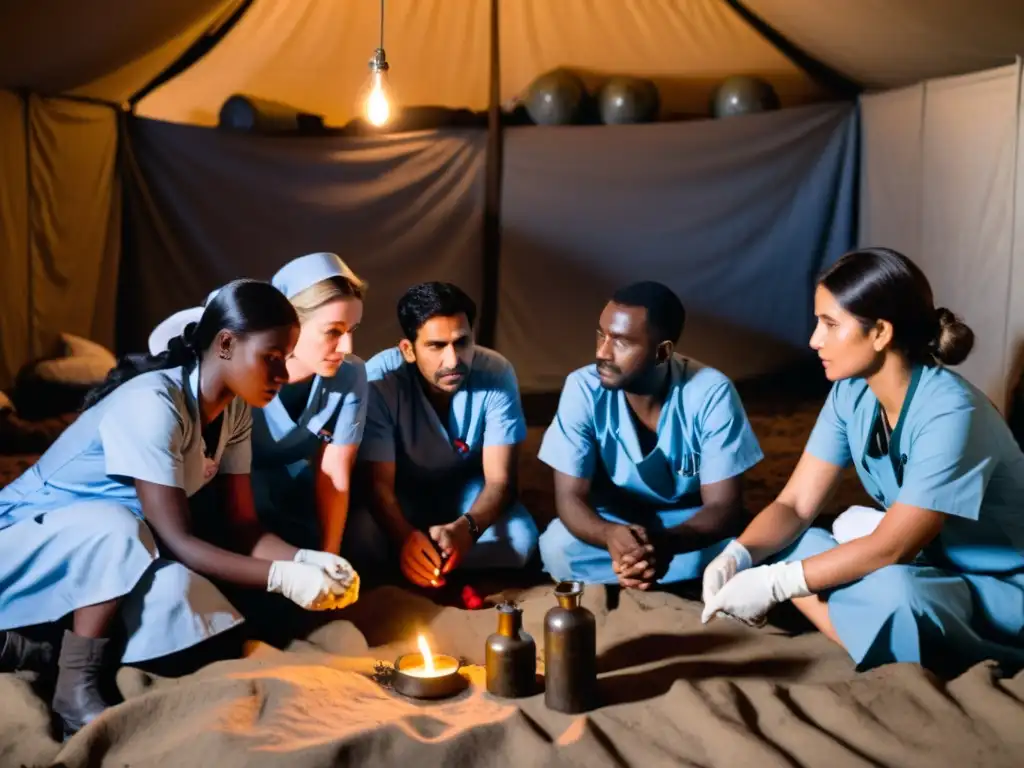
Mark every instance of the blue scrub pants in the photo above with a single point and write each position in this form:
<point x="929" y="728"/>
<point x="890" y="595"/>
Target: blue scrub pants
<point x="508" y="544"/>
<point x="922" y="614"/>
<point x="567" y="558"/>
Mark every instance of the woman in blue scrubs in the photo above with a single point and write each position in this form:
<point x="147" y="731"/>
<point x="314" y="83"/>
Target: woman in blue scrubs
<point x="938" y="579"/>
<point x="305" y="441"/>
<point x="100" y="528"/>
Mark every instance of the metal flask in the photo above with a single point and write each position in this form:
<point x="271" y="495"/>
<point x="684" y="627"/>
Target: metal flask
<point x="511" y="655"/>
<point x="570" y="652"/>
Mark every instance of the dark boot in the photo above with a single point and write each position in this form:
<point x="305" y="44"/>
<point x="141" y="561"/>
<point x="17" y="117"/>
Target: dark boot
<point x="77" y="700"/>
<point x="18" y="652"/>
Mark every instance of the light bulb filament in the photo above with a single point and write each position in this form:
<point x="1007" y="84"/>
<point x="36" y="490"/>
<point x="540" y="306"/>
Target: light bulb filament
<point x="378" y="110"/>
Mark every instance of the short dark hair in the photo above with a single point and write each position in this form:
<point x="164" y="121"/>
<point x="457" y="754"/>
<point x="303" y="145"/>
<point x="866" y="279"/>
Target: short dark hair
<point x="666" y="315"/>
<point x="875" y="284"/>
<point x="428" y="300"/>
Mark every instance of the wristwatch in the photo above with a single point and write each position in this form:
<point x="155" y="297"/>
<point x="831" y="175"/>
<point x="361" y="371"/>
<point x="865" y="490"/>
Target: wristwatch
<point x="474" y="529"/>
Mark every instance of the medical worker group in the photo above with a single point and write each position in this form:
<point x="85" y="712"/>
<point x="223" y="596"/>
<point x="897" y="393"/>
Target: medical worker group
<point x="331" y="471"/>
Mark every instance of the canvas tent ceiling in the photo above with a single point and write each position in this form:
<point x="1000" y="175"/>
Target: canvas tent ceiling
<point x="888" y="43"/>
<point x="106" y="50"/>
<point x="313" y="53"/>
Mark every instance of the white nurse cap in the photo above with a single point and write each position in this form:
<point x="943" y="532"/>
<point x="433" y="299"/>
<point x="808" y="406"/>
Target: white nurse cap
<point x="175" y="325"/>
<point x="171" y="327"/>
<point x="299" y="274"/>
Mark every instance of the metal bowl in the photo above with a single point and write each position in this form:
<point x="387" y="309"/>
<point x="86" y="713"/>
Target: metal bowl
<point x="448" y="683"/>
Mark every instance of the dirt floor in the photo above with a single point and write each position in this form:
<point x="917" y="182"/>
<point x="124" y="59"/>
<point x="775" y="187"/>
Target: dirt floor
<point x="671" y="690"/>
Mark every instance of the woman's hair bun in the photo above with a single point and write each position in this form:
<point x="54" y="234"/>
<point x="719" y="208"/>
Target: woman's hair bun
<point x="955" y="339"/>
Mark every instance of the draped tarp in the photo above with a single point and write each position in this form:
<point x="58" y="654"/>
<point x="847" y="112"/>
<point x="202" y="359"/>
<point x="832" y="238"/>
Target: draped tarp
<point x="206" y="206"/>
<point x="75" y="216"/>
<point x="60" y="216"/>
<point x="967" y="209"/>
<point x="737" y="216"/>
<point x="14" y="257"/>
<point x="940" y="176"/>
<point x="892" y="125"/>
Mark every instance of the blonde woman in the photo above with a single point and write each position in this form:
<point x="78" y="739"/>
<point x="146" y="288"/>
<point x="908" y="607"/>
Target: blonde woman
<point x="305" y="440"/>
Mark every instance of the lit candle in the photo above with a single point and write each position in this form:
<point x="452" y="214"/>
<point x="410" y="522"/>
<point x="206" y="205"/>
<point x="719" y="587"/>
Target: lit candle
<point x="428" y="658"/>
<point x="431" y="666"/>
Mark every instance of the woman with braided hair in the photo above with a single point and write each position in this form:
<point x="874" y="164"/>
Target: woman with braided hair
<point x="99" y="529"/>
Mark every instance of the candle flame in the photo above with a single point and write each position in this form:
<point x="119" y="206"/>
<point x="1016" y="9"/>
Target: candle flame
<point x="428" y="659"/>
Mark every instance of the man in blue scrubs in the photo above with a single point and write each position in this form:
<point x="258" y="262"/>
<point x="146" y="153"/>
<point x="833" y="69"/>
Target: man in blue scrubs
<point x="648" y="449"/>
<point x="443" y="426"/>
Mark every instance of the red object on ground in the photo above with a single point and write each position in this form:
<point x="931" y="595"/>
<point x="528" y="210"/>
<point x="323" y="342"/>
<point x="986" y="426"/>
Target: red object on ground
<point x="471" y="599"/>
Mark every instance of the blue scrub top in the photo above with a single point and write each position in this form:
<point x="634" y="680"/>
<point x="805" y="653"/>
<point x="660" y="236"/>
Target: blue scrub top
<point x="403" y="427"/>
<point x="146" y="429"/>
<point x="950" y="451"/>
<point x="334" y="414"/>
<point x="703" y="436"/>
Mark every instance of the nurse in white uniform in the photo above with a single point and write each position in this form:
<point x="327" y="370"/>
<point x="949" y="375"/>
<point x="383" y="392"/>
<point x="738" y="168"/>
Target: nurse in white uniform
<point x="443" y="429"/>
<point x="99" y="529"/>
<point x="938" y="578"/>
<point x="305" y="440"/>
<point x="649" y="450"/>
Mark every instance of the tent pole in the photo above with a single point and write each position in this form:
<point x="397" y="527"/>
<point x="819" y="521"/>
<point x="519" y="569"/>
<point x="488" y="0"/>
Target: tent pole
<point x="26" y="99"/>
<point x="492" y="192"/>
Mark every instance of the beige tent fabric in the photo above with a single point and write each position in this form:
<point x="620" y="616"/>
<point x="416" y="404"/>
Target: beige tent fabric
<point x="75" y="215"/>
<point x="1015" y="321"/>
<point x="967" y="209"/>
<point x="938" y="179"/>
<point x="892" y="133"/>
<point x="13" y="238"/>
<point x="105" y="49"/>
<point x="889" y="43"/>
<point x="687" y="46"/>
<point x="313" y="55"/>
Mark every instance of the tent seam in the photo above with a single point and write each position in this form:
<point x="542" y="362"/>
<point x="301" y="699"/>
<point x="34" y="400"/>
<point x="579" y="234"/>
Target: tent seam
<point x="816" y="69"/>
<point x="1015" y="170"/>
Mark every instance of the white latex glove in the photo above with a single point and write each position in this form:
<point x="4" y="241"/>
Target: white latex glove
<point x="338" y="568"/>
<point x="730" y="561"/>
<point x="306" y="585"/>
<point x="748" y="596"/>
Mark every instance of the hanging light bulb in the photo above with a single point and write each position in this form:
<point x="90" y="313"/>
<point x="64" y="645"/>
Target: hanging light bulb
<point x="376" y="98"/>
